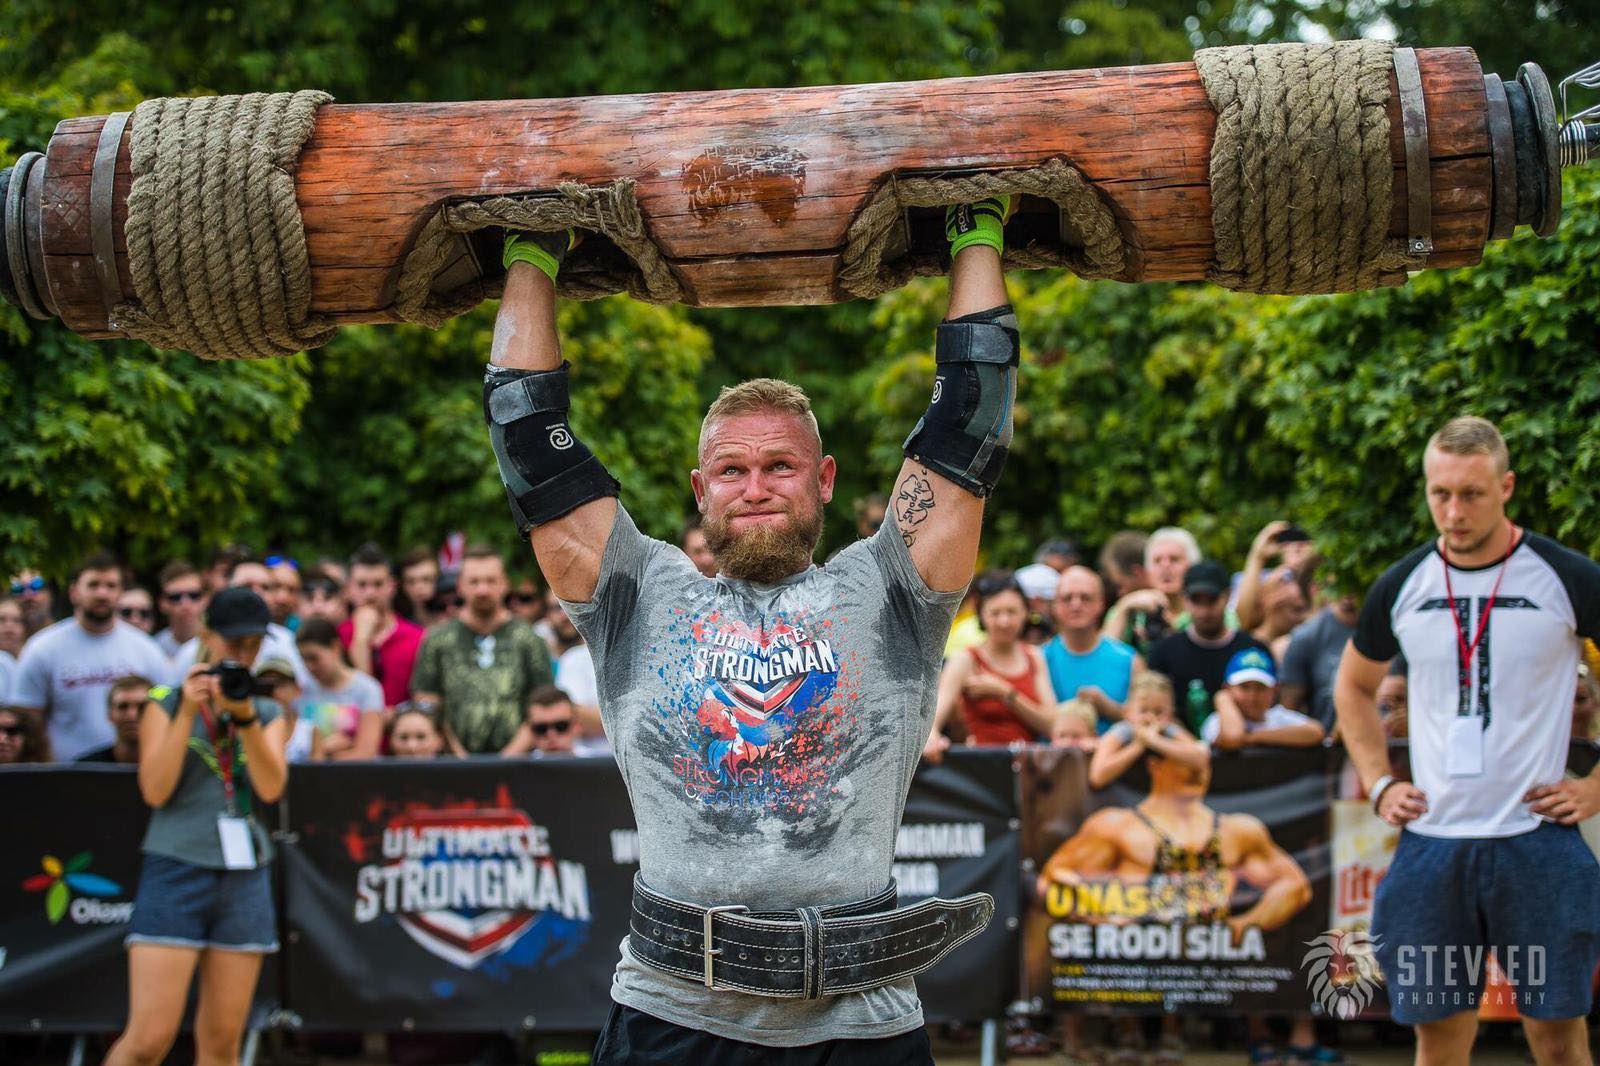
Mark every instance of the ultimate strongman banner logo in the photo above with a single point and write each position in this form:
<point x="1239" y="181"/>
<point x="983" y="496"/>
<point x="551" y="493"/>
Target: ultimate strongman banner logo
<point x="467" y="883"/>
<point x="1174" y="887"/>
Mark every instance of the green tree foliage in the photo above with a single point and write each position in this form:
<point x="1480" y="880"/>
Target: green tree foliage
<point x="1139" y="405"/>
<point x="1143" y="405"/>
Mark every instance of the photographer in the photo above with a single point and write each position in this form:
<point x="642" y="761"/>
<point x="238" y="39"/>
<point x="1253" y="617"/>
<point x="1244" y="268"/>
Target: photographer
<point x="204" y="896"/>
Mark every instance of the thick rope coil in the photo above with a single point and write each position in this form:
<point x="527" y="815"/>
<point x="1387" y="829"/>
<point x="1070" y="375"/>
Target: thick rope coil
<point x="1302" y="184"/>
<point x="875" y="260"/>
<point x="215" y="241"/>
<point x="610" y="210"/>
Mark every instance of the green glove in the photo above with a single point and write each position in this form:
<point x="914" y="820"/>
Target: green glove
<point x="983" y="222"/>
<point x="543" y="250"/>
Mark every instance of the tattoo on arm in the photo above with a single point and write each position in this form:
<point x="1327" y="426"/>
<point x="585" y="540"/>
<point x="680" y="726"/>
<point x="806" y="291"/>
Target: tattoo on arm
<point x="913" y="503"/>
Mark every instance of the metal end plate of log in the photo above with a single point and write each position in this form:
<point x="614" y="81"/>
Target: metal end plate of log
<point x="749" y="194"/>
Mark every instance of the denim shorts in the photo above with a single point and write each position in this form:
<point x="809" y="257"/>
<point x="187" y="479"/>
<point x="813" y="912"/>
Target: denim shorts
<point x="186" y="906"/>
<point x="1534" y="899"/>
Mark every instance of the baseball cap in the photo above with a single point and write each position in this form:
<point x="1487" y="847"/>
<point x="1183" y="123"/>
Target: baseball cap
<point x="237" y="612"/>
<point x="278" y="665"/>
<point x="1207" y="577"/>
<point x="1251" y="664"/>
<point x="1038" y="581"/>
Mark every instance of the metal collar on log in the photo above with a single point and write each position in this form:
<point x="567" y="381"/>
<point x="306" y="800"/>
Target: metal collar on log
<point x="1419" y="172"/>
<point x="1580" y="138"/>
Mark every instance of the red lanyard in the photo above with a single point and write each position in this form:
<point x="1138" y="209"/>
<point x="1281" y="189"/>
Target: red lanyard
<point x="223" y="752"/>
<point x="1464" y="649"/>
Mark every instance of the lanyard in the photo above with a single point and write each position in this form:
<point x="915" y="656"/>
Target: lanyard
<point x="224" y="752"/>
<point x="1464" y="650"/>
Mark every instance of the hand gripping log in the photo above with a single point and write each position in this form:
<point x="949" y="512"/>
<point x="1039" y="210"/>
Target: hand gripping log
<point x="383" y="213"/>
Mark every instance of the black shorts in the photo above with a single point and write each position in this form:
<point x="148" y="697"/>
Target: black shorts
<point x="633" y="1038"/>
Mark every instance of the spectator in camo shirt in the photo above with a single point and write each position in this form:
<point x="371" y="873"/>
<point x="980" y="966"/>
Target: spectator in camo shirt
<point x="482" y="665"/>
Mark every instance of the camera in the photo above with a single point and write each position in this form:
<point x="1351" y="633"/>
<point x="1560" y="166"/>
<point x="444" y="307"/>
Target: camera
<point x="236" y="680"/>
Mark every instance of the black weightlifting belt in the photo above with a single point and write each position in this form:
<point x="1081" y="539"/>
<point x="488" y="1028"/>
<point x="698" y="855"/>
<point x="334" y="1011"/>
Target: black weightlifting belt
<point x="801" y="954"/>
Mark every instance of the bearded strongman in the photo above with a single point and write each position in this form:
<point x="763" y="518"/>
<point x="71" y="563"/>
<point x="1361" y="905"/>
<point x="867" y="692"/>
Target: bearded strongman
<point x="768" y="721"/>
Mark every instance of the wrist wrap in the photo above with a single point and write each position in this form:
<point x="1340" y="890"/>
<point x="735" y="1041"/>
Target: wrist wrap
<point x="966" y="431"/>
<point x="547" y="472"/>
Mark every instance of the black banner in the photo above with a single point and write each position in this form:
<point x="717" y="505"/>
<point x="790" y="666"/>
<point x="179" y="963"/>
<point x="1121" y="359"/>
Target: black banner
<point x="69" y="871"/>
<point x="456" y="895"/>
<point x="960" y="834"/>
<point x="1175" y="888"/>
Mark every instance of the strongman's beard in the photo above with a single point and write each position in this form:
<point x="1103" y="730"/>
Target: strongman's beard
<point x="767" y="553"/>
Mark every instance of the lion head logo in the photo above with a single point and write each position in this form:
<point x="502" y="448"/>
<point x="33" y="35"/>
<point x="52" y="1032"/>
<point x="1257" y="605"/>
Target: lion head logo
<point x="1342" y="971"/>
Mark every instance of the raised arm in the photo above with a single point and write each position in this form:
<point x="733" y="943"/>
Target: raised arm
<point x="955" y="453"/>
<point x="557" y="488"/>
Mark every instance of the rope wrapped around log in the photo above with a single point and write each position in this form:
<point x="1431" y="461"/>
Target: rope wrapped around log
<point x="1302" y="182"/>
<point x="876" y="260"/>
<point x="216" y="247"/>
<point x="610" y="210"/>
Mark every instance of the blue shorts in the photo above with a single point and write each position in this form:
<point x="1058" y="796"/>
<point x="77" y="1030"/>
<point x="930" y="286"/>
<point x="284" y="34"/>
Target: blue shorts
<point x="186" y="906"/>
<point x="1533" y="899"/>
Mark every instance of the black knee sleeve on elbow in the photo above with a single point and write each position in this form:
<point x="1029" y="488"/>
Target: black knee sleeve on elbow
<point x="546" y="470"/>
<point x="966" y="432"/>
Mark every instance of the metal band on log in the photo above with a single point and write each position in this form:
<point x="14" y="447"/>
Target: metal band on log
<point x="762" y="196"/>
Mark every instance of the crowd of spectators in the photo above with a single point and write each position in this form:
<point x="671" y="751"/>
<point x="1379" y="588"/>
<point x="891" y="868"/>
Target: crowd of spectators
<point x="483" y="663"/>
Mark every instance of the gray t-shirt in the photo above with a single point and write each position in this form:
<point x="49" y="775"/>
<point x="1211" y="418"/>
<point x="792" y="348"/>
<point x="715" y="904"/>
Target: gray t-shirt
<point x="185" y="827"/>
<point x="767" y="735"/>
<point x="1312" y="661"/>
<point x="332" y="709"/>
<point x="67" y="671"/>
<point x="8" y="675"/>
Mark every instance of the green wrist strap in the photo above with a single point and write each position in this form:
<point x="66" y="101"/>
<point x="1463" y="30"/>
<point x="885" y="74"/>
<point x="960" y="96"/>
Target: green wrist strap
<point x="983" y="223"/>
<point x="543" y="250"/>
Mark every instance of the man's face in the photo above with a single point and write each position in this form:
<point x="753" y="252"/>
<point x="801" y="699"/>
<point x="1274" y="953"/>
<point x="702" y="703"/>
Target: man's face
<point x="526" y="602"/>
<point x="183" y="602"/>
<point x="1467" y="497"/>
<point x="761" y="487"/>
<point x="871" y="519"/>
<point x="1168" y="561"/>
<point x="371" y="586"/>
<point x="1079" y="600"/>
<point x="419" y="580"/>
<point x="1254" y="698"/>
<point x="253" y="576"/>
<point x="699" y="552"/>
<point x="135" y="607"/>
<point x="1207" y="613"/>
<point x="321" y="599"/>
<point x="94" y="595"/>
<point x="31" y="591"/>
<point x="482" y="584"/>
<point x="1392" y="694"/>
<point x="1126" y="581"/>
<point x="11" y="740"/>
<point x="564" y="630"/>
<point x="283" y="594"/>
<point x="123" y="712"/>
<point x="554" y="727"/>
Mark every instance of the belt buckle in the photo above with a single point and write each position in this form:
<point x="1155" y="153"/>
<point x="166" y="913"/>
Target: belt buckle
<point x="707" y="951"/>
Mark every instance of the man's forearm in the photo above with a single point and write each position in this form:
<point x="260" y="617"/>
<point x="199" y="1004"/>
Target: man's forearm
<point x="1361" y="729"/>
<point x="525" y="336"/>
<point x="976" y="282"/>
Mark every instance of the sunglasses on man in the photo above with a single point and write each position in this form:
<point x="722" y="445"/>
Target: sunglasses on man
<point x="34" y="584"/>
<point x="560" y="728"/>
<point x="10" y="730"/>
<point x="183" y="596"/>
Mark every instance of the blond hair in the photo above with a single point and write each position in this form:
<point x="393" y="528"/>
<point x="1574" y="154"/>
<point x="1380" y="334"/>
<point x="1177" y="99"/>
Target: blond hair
<point x="758" y="394"/>
<point x="1471" y="435"/>
<point x="1080" y="709"/>
<point x="1149" y="681"/>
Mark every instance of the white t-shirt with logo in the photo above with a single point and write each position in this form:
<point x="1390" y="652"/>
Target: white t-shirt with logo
<point x="1519" y="681"/>
<point x="1277" y="717"/>
<point x="67" y="672"/>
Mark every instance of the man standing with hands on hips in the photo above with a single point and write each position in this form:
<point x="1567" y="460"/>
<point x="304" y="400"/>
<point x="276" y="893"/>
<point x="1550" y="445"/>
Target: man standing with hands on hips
<point x="767" y="722"/>
<point x="1490" y="618"/>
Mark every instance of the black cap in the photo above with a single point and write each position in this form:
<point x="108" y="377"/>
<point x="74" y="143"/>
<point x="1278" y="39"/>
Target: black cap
<point x="237" y="612"/>
<point x="1205" y="578"/>
<point x="1292" y="535"/>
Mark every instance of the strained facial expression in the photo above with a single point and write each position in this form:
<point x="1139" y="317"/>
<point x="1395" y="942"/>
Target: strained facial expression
<point x="761" y="487"/>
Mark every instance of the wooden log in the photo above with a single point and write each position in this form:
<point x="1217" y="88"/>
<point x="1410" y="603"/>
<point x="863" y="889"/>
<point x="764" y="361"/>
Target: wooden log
<point x="749" y="193"/>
